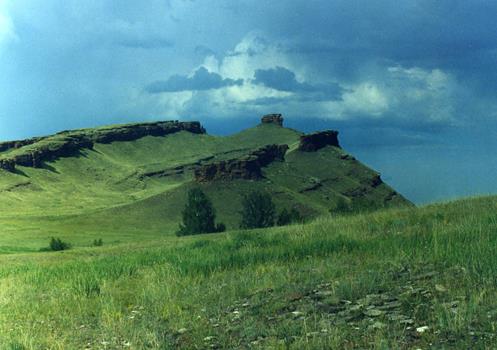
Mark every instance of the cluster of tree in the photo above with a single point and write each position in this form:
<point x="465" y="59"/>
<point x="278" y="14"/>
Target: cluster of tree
<point x="258" y="211"/>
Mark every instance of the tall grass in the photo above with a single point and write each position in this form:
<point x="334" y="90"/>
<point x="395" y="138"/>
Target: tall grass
<point x="142" y="294"/>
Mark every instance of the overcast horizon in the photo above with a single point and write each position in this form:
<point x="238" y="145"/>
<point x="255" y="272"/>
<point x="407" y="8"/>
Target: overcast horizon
<point x="410" y="85"/>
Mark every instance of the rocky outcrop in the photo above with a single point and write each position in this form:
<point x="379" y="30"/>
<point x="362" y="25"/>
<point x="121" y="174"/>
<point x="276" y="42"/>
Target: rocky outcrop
<point x="375" y="180"/>
<point x="272" y="119"/>
<point x="247" y="168"/>
<point x="8" y="145"/>
<point x="132" y="132"/>
<point x="33" y="152"/>
<point x="45" y="151"/>
<point x="7" y="164"/>
<point x="318" y="140"/>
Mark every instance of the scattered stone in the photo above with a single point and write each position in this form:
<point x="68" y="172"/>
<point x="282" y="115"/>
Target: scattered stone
<point x="373" y="312"/>
<point x="423" y="329"/>
<point x="440" y="288"/>
<point x="297" y="313"/>
<point x="378" y="325"/>
<point x="322" y="294"/>
<point x="295" y="297"/>
<point x="312" y="334"/>
<point x="182" y="331"/>
<point x="390" y="305"/>
<point x="396" y="317"/>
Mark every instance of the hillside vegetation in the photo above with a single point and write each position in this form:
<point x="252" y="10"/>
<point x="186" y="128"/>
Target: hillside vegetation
<point x="129" y="182"/>
<point x="392" y="279"/>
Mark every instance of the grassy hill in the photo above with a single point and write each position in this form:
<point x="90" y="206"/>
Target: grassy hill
<point x="361" y="279"/>
<point x="392" y="279"/>
<point x="122" y="182"/>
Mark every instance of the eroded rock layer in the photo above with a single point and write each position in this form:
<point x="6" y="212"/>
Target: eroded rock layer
<point x="248" y="167"/>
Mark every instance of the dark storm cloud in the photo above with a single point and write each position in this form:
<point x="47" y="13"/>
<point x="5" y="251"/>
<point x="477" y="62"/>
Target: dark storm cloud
<point x="202" y="79"/>
<point x="283" y="79"/>
<point x="71" y="48"/>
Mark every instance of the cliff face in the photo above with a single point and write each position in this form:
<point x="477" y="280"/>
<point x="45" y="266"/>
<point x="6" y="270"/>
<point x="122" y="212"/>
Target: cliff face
<point x="248" y="168"/>
<point x="33" y="152"/>
<point x="318" y="140"/>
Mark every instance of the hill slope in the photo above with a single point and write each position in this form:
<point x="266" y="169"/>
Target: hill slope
<point x="133" y="178"/>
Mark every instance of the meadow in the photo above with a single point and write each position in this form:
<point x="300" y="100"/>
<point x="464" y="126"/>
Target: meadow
<point x="392" y="279"/>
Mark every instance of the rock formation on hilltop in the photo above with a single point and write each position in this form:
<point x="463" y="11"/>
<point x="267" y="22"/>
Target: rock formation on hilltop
<point x="272" y="119"/>
<point x="7" y="145"/>
<point x="318" y="140"/>
<point x="33" y="152"/>
<point x="248" y="167"/>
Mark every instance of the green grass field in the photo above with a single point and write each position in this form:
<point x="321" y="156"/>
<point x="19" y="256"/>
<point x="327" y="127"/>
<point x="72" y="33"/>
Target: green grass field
<point x="398" y="278"/>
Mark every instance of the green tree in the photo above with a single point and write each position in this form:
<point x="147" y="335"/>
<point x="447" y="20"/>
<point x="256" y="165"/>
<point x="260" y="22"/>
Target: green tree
<point x="198" y="215"/>
<point x="258" y="210"/>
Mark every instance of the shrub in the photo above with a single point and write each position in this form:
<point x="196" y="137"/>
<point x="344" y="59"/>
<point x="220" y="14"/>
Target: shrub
<point x="56" y="244"/>
<point x="199" y="215"/>
<point x="287" y="217"/>
<point x="258" y="210"/>
<point x="98" y="242"/>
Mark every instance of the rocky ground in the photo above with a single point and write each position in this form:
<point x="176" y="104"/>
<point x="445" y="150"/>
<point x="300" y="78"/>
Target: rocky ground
<point x="404" y="309"/>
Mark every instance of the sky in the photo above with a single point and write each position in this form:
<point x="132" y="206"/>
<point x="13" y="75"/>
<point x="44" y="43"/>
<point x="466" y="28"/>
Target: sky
<point x="410" y="85"/>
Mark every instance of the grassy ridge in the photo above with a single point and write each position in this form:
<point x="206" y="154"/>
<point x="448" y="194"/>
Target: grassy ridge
<point x="105" y="192"/>
<point x="362" y="281"/>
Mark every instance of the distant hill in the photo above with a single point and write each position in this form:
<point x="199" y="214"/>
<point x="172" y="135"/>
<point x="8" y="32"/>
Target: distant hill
<point x="134" y="177"/>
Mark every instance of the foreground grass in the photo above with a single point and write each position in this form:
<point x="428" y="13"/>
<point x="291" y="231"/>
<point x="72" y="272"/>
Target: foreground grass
<point x="411" y="278"/>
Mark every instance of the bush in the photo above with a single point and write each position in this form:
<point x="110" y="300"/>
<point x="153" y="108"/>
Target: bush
<point x="98" y="242"/>
<point x="287" y="217"/>
<point x="258" y="210"/>
<point x="56" y="244"/>
<point x="199" y="215"/>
